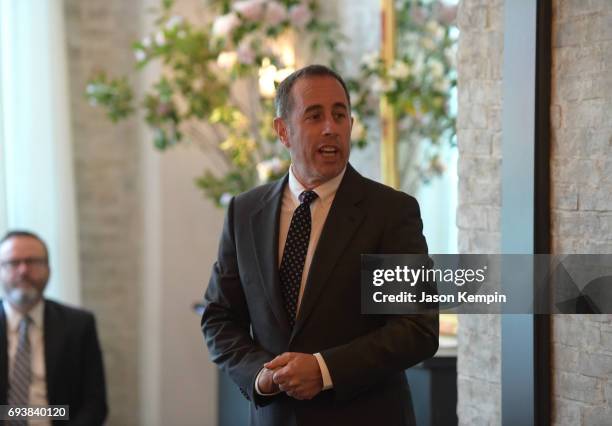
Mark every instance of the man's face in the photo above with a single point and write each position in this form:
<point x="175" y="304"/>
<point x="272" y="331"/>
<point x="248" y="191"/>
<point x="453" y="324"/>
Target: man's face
<point x="24" y="271"/>
<point x="318" y="130"/>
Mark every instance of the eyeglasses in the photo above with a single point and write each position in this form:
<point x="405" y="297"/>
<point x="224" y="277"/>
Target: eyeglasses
<point x="31" y="262"/>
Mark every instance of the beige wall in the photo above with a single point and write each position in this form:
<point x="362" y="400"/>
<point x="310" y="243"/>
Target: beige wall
<point x="581" y="202"/>
<point x="147" y="236"/>
<point x="479" y="65"/>
<point x="109" y="196"/>
<point x="581" y="170"/>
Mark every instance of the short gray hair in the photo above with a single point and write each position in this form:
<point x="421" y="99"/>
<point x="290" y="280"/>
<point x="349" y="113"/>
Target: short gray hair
<point x="283" y="100"/>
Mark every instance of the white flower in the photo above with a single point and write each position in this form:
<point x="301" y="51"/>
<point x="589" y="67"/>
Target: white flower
<point x="224" y="25"/>
<point x="160" y="38"/>
<point x="267" y="168"/>
<point x="399" y="70"/>
<point x="451" y="56"/>
<point x="391" y="86"/>
<point x="264" y="172"/>
<point x="435" y="29"/>
<point x="277" y="165"/>
<point x="146" y="42"/>
<point x="428" y="43"/>
<point x="370" y="60"/>
<point x="283" y="73"/>
<point x="226" y="60"/>
<point x="300" y="15"/>
<point x="436" y="68"/>
<point x="358" y="130"/>
<point x="225" y="199"/>
<point x="442" y="85"/>
<point x="91" y="89"/>
<point x="245" y="54"/>
<point x="140" y="55"/>
<point x="275" y="13"/>
<point x="377" y="85"/>
<point x="419" y="64"/>
<point x="380" y="86"/>
<point x="251" y="10"/>
<point x="173" y="22"/>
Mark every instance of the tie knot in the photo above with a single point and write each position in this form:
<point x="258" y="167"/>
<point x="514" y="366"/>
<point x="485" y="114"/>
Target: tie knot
<point x="25" y="320"/>
<point x="24" y="323"/>
<point x="307" y="197"/>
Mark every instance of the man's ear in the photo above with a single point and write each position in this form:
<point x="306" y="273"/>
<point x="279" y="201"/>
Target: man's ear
<point x="281" y="130"/>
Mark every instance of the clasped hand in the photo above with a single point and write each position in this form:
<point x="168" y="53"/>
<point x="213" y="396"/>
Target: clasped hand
<point x="297" y="374"/>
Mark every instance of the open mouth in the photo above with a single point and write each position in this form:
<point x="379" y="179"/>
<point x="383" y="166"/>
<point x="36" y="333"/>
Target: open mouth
<point x="328" y="151"/>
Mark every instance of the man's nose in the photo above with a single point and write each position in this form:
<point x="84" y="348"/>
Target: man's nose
<point x="22" y="267"/>
<point x="329" y="126"/>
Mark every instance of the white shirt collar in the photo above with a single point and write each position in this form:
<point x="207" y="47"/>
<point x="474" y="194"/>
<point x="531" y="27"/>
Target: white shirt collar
<point x="325" y="191"/>
<point x="13" y="316"/>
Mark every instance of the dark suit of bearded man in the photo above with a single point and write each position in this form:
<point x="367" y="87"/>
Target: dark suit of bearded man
<point x="73" y="363"/>
<point x="49" y="352"/>
<point x="245" y="321"/>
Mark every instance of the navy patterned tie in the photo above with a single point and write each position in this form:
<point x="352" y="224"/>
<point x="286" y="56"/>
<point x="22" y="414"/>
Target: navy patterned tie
<point x="294" y="254"/>
<point x="19" y="387"/>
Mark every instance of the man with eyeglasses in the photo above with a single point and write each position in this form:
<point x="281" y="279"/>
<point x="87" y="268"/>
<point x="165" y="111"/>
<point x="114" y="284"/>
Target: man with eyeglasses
<point x="49" y="352"/>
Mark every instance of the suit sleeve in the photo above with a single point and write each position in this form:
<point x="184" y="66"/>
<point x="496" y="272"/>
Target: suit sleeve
<point x="226" y="321"/>
<point x="94" y="407"/>
<point x="403" y="340"/>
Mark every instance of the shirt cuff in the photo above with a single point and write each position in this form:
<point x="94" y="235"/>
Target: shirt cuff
<point x="257" y="387"/>
<point x="327" y="381"/>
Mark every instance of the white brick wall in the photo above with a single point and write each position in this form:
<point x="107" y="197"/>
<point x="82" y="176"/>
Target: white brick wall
<point x="479" y="141"/>
<point x="581" y="200"/>
<point x="107" y="169"/>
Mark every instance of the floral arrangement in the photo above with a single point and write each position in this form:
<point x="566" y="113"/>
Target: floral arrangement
<point x="417" y="85"/>
<point x="219" y="79"/>
<point x="218" y="84"/>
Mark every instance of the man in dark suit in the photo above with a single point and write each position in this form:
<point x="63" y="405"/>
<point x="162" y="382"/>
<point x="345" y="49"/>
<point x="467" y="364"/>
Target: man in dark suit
<point x="282" y="309"/>
<point x="49" y="353"/>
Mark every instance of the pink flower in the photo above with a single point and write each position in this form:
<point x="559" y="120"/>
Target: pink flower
<point x="174" y="22"/>
<point x="225" y="199"/>
<point x="418" y="15"/>
<point x="250" y="10"/>
<point x="245" y="54"/>
<point x="140" y="55"/>
<point x="300" y="15"/>
<point x="275" y="13"/>
<point x="224" y="25"/>
<point x="446" y="13"/>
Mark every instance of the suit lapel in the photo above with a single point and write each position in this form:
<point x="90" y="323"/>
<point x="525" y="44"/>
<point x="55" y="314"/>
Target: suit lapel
<point x="264" y="228"/>
<point x="3" y="358"/>
<point x="342" y="221"/>
<point x="52" y="339"/>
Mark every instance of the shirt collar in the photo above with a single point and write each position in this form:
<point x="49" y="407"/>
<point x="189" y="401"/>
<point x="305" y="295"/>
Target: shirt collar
<point x="13" y="316"/>
<point x="325" y="191"/>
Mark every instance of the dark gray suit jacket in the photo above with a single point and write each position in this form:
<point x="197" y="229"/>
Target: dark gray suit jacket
<point x="73" y="363"/>
<point x="244" y="322"/>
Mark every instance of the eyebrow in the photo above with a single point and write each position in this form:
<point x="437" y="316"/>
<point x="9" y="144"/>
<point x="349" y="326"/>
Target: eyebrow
<point x="319" y="107"/>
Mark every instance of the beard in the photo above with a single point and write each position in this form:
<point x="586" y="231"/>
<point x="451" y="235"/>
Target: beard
<point x="23" y="296"/>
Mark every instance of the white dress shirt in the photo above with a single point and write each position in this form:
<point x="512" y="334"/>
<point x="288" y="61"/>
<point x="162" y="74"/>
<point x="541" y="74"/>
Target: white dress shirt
<point x="36" y="334"/>
<point x="319" y="209"/>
